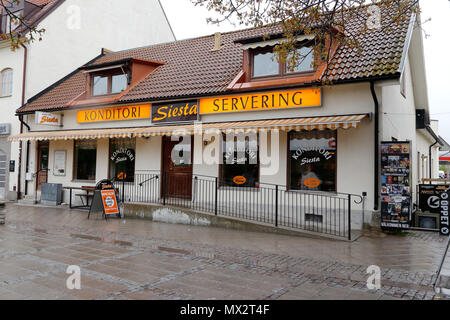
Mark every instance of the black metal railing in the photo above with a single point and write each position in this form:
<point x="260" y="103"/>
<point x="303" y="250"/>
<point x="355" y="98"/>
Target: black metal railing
<point x="326" y="213"/>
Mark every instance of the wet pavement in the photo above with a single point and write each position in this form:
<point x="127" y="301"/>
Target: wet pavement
<point x="137" y="259"/>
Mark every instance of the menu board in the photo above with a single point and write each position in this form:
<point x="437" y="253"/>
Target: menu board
<point x="395" y="185"/>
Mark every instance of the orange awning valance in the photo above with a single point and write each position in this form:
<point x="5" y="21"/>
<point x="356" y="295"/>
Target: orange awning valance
<point x="298" y="124"/>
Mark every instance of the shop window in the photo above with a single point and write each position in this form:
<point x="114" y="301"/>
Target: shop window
<point x="6" y="77"/>
<point x="122" y="156"/>
<point x="109" y="83"/>
<point x="264" y="62"/>
<point x="85" y="161"/>
<point x="312" y="159"/>
<point x="240" y="166"/>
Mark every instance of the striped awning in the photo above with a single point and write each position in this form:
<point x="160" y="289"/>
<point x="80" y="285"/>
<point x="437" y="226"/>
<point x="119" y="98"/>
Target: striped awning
<point x="297" y="124"/>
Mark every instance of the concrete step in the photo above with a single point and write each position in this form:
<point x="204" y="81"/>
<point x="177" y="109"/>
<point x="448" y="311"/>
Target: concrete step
<point x="26" y="201"/>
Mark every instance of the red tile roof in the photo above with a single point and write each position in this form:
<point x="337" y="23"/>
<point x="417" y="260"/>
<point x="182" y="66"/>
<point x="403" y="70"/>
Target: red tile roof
<point x="192" y="69"/>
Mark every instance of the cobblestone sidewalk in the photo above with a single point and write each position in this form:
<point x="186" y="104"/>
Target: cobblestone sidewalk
<point x="143" y="260"/>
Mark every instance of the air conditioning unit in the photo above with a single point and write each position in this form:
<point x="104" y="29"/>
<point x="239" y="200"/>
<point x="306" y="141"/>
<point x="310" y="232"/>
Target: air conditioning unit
<point x="422" y="119"/>
<point x="429" y="221"/>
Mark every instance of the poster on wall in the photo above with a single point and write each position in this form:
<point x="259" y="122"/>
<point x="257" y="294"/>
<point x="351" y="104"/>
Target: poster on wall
<point x="59" y="163"/>
<point x="395" y="185"/>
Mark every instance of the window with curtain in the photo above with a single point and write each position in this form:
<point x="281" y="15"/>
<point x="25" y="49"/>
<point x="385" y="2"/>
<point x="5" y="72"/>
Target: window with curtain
<point x="85" y="161"/>
<point x="122" y="158"/>
<point x="312" y="159"/>
<point x="6" y="77"/>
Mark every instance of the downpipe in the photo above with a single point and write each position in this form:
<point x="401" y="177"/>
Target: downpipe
<point x="376" y="177"/>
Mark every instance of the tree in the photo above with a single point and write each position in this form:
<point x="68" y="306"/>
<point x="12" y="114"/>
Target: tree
<point x="328" y="22"/>
<point x="18" y="30"/>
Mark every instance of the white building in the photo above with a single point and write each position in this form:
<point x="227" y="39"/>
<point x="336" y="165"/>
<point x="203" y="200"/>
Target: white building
<point x="326" y="142"/>
<point x="76" y="32"/>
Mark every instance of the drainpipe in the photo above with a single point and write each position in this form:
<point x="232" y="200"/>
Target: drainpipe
<point x="19" y="171"/>
<point x="430" y="163"/>
<point x="438" y="141"/>
<point x="376" y="147"/>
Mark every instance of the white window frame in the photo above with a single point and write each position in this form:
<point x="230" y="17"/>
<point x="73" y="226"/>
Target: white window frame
<point x="6" y="82"/>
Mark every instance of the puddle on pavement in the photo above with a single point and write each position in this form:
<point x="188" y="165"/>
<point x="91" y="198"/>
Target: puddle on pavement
<point x="174" y="250"/>
<point x="104" y="240"/>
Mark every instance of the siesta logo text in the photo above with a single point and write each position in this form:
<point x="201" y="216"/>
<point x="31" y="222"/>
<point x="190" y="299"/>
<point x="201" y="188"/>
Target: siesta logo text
<point x="174" y="112"/>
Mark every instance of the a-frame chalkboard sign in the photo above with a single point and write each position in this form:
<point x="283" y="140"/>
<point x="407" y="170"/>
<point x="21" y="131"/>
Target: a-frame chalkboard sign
<point x="105" y="200"/>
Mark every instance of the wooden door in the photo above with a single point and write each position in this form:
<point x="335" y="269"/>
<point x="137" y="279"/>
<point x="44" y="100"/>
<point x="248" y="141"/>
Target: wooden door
<point x="177" y="172"/>
<point x="43" y="155"/>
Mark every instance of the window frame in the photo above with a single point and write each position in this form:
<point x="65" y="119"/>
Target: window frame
<point x="109" y="75"/>
<point x="9" y="81"/>
<point x="282" y="66"/>
<point x="222" y="163"/>
<point x="288" y="166"/>
<point x="74" y="164"/>
<point x="109" y="159"/>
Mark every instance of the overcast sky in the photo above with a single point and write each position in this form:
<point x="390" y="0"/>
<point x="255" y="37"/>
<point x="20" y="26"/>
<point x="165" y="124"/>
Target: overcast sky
<point x="189" y="21"/>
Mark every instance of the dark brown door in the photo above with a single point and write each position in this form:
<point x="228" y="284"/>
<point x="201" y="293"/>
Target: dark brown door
<point x="43" y="153"/>
<point x="177" y="169"/>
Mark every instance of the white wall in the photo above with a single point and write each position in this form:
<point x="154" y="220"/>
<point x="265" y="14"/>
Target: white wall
<point x="111" y="24"/>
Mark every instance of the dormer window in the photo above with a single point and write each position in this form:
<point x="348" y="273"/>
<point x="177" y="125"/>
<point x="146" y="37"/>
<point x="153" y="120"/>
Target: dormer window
<point x="264" y="63"/>
<point x="107" y="84"/>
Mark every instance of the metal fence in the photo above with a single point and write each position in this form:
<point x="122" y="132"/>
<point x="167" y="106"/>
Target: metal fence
<point x="326" y="213"/>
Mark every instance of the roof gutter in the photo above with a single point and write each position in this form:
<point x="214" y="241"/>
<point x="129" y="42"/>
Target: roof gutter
<point x="407" y="43"/>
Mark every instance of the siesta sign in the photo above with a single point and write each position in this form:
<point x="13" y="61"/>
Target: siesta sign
<point x="113" y="114"/>
<point x="46" y="118"/>
<point x="262" y="101"/>
<point x="175" y="112"/>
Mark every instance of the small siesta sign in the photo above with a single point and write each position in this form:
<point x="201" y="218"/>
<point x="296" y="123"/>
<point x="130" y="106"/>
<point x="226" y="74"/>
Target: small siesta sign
<point x="262" y="101"/>
<point x="114" y="114"/>
<point x="46" y="118"/>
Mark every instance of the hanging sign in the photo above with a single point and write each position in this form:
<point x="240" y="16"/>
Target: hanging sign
<point x="49" y="119"/>
<point x="114" y="114"/>
<point x="262" y="101"/>
<point x="175" y="112"/>
<point x="395" y="185"/>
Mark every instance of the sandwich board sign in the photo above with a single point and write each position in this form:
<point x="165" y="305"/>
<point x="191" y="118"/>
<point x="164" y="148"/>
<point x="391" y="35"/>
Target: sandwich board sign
<point x="105" y="200"/>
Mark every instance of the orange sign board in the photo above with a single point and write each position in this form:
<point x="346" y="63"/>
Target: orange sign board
<point x="312" y="183"/>
<point x="110" y="202"/>
<point x="115" y="113"/>
<point x="262" y="101"/>
<point x="239" y="180"/>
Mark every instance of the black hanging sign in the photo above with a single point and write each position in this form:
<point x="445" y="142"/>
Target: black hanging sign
<point x="175" y="112"/>
<point x="395" y="185"/>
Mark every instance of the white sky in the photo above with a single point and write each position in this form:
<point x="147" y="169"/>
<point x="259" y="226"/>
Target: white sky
<point x="189" y="21"/>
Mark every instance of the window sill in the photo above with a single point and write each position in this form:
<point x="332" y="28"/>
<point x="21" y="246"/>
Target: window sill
<point x="252" y="189"/>
<point x="83" y="181"/>
<point x="6" y="96"/>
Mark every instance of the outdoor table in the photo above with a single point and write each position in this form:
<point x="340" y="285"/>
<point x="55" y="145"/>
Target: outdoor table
<point x="89" y="193"/>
